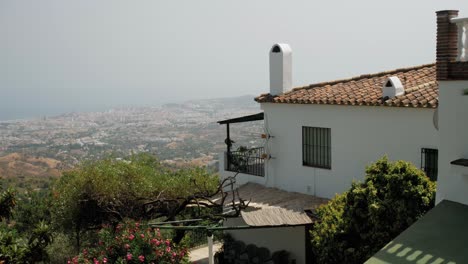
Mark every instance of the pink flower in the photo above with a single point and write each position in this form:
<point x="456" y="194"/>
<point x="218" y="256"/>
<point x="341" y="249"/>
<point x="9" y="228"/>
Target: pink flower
<point x="174" y="254"/>
<point x="126" y="246"/>
<point x="104" y="260"/>
<point x="141" y="258"/>
<point x="142" y="235"/>
<point x="168" y="249"/>
<point x="168" y="243"/>
<point x="95" y="261"/>
<point x="158" y="242"/>
<point x="129" y="256"/>
<point x="131" y="237"/>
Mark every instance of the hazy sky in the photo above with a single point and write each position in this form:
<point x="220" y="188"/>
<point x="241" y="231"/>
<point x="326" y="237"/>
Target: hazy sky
<point x="77" y="55"/>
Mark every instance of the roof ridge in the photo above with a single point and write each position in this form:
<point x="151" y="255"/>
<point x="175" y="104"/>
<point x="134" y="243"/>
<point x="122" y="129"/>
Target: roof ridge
<point x="362" y="76"/>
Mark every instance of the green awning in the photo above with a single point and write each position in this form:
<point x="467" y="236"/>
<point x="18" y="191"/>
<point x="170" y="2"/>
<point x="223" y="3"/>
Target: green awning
<point x="439" y="237"/>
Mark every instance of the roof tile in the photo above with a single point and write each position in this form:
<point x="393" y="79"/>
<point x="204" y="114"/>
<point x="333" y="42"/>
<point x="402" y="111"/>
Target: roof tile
<point x="421" y="90"/>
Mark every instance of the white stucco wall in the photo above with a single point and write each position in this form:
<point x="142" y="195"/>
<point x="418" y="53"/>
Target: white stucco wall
<point x="359" y="136"/>
<point x="291" y="239"/>
<point x="453" y="125"/>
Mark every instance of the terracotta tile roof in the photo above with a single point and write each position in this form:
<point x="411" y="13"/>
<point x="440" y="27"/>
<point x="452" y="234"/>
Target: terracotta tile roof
<point x="421" y="90"/>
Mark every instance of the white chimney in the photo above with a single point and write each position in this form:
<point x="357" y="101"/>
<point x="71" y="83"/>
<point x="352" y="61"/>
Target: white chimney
<point x="280" y="69"/>
<point x="392" y="87"/>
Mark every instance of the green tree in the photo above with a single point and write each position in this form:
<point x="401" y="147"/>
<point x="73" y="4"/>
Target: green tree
<point x="7" y="202"/>
<point x="32" y="208"/>
<point x="110" y="190"/>
<point x="356" y="224"/>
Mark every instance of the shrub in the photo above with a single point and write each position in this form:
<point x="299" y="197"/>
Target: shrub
<point x="357" y="223"/>
<point x="129" y="243"/>
<point x="24" y="249"/>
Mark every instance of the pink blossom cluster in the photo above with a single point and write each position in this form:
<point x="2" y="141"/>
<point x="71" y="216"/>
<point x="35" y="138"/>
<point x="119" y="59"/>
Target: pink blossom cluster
<point x="129" y="243"/>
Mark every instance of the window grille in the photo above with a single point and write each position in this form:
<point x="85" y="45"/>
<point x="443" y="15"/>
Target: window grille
<point x="316" y="147"/>
<point x="429" y="160"/>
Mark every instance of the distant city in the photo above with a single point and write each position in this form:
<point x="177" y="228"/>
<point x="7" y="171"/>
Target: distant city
<point x="179" y="135"/>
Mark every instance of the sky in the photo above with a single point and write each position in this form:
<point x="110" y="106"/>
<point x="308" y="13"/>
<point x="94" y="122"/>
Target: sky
<point x="61" y="56"/>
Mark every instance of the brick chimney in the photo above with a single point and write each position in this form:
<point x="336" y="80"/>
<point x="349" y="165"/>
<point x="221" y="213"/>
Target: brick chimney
<point x="447" y="42"/>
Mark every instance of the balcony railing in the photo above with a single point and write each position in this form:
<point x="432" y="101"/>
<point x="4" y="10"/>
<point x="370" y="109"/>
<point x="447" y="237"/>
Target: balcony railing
<point x="249" y="161"/>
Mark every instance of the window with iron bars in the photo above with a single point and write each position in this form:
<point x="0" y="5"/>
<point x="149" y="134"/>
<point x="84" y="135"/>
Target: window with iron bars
<point x="316" y="147"/>
<point x="429" y="160"/>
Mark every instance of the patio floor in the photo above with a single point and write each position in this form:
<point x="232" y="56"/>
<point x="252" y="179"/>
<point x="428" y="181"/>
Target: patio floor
<point x="200" y="255"/>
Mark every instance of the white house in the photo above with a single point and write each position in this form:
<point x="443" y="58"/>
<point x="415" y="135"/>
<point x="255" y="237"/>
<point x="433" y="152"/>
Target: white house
<point x="320" y="137"/>
<point x="441" y="235"/>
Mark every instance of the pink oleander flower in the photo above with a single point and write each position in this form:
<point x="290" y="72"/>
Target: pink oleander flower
<point x="168" y="249"/>
<point x="168" y="243"/>
<point x="174" y="254"/>
<point x="129" y="256"/>
<point x="142" y="235"/>
<point x="95" y="261"/>
<point x="104" y="260"/>
<point x="126" y="246"/>
<point x="141" y="258"/>
<point x="131" y="237"/>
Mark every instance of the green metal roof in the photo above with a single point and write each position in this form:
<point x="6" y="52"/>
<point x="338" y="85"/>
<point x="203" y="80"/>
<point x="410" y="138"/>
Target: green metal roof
<point x="439" y="237"/>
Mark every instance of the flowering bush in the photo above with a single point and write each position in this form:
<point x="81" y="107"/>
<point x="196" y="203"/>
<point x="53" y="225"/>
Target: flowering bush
<point x="130" y="243"/>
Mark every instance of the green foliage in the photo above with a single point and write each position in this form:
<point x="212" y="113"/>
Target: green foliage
<point x="7" y="203"/>
<point x="357" y="223"/>
<point x="27" y="249"/>
<point x="61" y="249"/>
<point x="110" y="190"/>
<point x="131" y="243"/>
<point x="32" y="207"/>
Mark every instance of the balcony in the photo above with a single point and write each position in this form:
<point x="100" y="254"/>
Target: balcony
<point x="247" y="161"/>
<point x="250" y="161"/>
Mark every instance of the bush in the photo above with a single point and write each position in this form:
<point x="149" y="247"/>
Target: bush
<point x="24" y="249"/>
<point x="359" y="222"/>
<point x="129" y="243"/>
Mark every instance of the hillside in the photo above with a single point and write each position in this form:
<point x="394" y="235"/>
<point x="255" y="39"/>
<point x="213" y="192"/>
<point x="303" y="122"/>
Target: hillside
<point x="16" y="165"/>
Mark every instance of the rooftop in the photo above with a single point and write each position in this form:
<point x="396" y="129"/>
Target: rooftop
<point x="274" y="207"/>
<point x="438" y="237"/>
<point x="421" y="90"/>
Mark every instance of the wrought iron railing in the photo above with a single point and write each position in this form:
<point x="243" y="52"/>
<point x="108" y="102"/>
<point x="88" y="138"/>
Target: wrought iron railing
<point x="248" y="161"/>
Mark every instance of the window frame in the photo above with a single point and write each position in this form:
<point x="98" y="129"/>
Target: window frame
<point x="317" y="136"/>
<point x="425" y="152"/>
